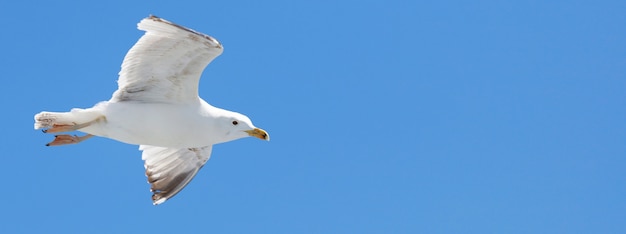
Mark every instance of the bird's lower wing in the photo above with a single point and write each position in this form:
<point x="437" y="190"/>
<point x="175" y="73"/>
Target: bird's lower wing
<point x="169" y="170"/>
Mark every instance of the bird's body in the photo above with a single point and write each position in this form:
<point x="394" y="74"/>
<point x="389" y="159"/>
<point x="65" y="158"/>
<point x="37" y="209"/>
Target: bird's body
<point x="144" y="123"/>
<point x="157" y="107"/>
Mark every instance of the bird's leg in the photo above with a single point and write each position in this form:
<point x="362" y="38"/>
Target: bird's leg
<point x="68" y="139"/>
<point x="71" y="127"/>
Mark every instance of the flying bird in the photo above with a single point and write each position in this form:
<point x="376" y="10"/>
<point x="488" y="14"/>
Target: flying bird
<point x="157" y="107"/>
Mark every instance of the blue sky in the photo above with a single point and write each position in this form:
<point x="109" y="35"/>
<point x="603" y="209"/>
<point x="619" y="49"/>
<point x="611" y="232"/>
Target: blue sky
<point x="385" y="117"/>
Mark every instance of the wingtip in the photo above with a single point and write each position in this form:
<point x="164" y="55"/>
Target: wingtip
<point x="153" y="17"/>
<point x="157" y="200"/>
<point x="143" y="25"/>
<point x="150" y="17"/>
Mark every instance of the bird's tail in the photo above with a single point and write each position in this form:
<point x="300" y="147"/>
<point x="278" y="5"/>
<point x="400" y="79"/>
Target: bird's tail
<point x="47" y="119"/>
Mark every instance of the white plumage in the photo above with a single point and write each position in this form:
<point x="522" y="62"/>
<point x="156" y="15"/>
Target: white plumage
<point x="157" y="106"/>
<point x="165" y="64"/>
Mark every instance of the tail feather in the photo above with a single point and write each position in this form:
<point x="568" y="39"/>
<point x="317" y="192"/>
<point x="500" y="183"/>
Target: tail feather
<point x="47" y="119"/>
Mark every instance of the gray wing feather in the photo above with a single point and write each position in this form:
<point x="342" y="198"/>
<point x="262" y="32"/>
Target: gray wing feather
<point x="165" y="64"/>
<point x="170" y="170"/>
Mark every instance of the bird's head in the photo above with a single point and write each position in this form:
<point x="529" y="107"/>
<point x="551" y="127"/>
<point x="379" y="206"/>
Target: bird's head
<point x="239" y="126"/>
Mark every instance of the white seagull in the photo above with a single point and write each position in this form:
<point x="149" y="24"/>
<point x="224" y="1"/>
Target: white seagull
<point x="157" y="107"/>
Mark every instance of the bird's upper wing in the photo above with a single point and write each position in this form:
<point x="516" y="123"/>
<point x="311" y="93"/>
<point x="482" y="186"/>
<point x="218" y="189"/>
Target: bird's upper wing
<point x="170" y="170"/>
<point x="165" y="64"/>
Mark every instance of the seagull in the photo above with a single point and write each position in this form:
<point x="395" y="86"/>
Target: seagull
<point x="157" y="107"/>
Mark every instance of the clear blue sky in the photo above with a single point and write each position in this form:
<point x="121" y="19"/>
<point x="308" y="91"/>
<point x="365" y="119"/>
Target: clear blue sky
<point x="385" y="117"/>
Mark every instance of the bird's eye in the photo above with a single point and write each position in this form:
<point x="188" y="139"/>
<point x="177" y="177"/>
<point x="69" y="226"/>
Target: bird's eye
<point x="235" y="122"/>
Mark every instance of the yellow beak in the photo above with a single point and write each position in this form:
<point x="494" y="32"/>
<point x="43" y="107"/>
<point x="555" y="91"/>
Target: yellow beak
<point x="259" y="133"/>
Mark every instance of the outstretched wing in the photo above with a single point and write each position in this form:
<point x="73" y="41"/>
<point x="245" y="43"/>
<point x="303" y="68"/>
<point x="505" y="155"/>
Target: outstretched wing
<point x="165" y="64"/>
<point x="170" y="170"/>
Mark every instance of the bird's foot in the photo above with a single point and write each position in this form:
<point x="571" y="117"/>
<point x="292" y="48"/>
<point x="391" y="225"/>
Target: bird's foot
<point x="71" y="127"/>
<point x="68" y="139"/>
<point x="61" y="128"/>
